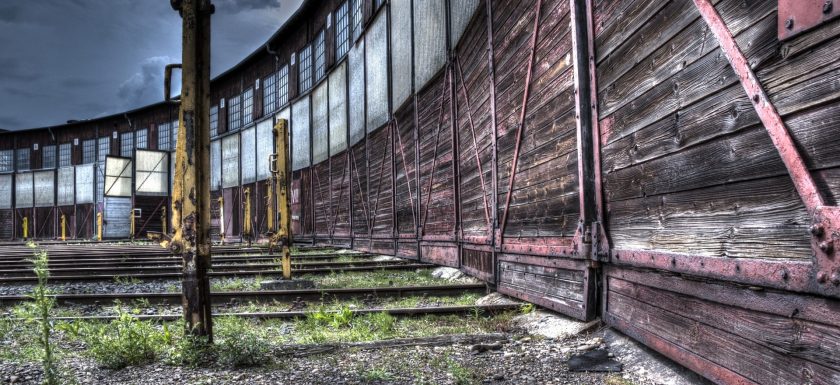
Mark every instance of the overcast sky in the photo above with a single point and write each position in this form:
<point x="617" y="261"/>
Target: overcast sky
<point x="80" y="59"/>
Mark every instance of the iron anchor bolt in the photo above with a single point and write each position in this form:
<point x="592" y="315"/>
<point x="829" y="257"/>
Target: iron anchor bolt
<point x="822" y="277"/>
<point x="816" y="230"/>
<point x="827" y="246"/>
<point x="789" y="23"/>
<point x="835" y="278"/>
<point x="827" y="6"/>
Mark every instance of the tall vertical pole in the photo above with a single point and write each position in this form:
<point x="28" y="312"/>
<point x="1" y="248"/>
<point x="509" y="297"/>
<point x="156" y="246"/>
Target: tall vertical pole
<point x="281" y="177"/>
<point x="191" y="192"/>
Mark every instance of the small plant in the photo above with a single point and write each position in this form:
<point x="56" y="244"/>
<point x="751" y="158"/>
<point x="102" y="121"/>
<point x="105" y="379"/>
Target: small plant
<point x="377" y="374"/>
<point x="239" y="344"/>
<point x="527" y="308"/>
<point x="460" y="374"/>
<point x="38" y="312"/>
<point x="337" y="319"/>
<point x="126" y="280"/>
<point x="123" y="342"/>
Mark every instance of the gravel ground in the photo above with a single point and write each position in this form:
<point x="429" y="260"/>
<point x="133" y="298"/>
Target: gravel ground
<point x="514" y="361"/>
<point x="152" y="286"/>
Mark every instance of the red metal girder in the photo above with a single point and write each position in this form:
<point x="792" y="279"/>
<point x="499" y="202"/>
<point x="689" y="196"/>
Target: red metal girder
<point x="797" y="16"/>
<point x="522" y="113"/>
<point x="434" y="158"/>
<point x="764" y="107"/>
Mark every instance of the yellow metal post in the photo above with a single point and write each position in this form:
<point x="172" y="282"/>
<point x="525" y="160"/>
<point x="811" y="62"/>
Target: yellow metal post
<point x="280" y="168"/>
<point x="222" y="219"/>
<point x="163" y="220"/>
<point x="269" y="202"/>
<point x="25" y="224"/>
<point x="99" y="223"/>
<point x="246" y="227"/>
<point x="191" y="189"/>
<point x="63" y="227"/>
<point x="131" y="224"/>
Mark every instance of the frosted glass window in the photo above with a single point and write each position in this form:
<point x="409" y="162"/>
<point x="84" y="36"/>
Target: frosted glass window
<point x="234" y="113"/>
<point x="64" y="157"/>
<point x="400" y="51"/>
<point x="338" y="109"/>
<point x="249" y="155"/>
<point x="215" y="165"/>
<point x="174" y="133"/>
<point x="152" y="172"/>
<point x="164" y="136"/>
<point x="102" y="151"/>
<point x="230" y="161"/>
<point x="143" y="138"/>
<point x="376" y="50"/>
<point x="126" y="144"/>
<point x="356" y="13"/>
<point x="118" y="175"/>
<point x="265" y="147"/>
<point x="84" y="183"/>
<point x="300" y="134"/>
<point x="23" y="189"/>
<point x="44" y="188"/>
<point x="320" y="128"/>
<point x="305" y="69"/>
<point x="66" y="186"/>
<point x="429" y="39"/>
<point x="5" y="191"/>
<point x="356" y="60"/>
<point x="248" y="106"/>
<point x="22" y="159"/>
<point x="460" y="12"/>
<point x="89" y="151"/>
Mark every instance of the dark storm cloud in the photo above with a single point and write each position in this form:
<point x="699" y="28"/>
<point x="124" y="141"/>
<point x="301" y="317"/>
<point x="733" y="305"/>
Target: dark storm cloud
<point x="246" y="5"/>
<point x="89" y="58"/>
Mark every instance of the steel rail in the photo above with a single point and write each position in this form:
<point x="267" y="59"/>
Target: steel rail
<point x="263" y="295"/>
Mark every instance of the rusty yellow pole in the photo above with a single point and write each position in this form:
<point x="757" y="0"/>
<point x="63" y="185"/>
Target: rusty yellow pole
<point x="246" y="227"/>
<point x="269" y="202"/>
<point x="99" y="223"/>
<point x="25" y="224"/>
<point x="191" y="190"/>
<point x="282" y="238"/>
<point x="63" y="227"/>
<point x="131" y="224"/>
<point x="163" y="220"/>
<point x="222" y="219"/>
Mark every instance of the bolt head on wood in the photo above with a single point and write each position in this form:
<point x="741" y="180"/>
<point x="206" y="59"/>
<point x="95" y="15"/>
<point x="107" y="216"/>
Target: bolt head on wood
<point x="835" y="278"/>
<point x="789" y="23"/>
<point x="827" y="7"/>
<point x="827" y="246"/>
<point x="822" y="277"/>
<point x="816" y="230"/>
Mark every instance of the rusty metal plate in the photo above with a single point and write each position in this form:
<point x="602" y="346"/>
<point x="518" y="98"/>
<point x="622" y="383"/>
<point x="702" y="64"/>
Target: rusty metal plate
<point x="797" y="16"/>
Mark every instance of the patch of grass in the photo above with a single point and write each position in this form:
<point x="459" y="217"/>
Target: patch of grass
<point x="460" y="374"/>
<point x="376" y="374"/>
<point x="614" y="379"/>
<point x="233" y="284"/>
<point x="342" y="326"/>
<point x="527" y="307"/>
<point x="377" y="278"/>
<point x="239" y="343"/>
<point x="126" y="280"/>
<point x="123" y="342"/>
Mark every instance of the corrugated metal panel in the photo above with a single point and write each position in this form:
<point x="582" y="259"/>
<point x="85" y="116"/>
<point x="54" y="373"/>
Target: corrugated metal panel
<point x="320" y="129"/>
<point x="152" y="172"/>
<point x="356" y="61"/>
<point x="300" y="134"/>
<point x="215" y="165"/>
<point x="44" y="188"/>
<point x="338" y="109"/>
<point x="5" y="191"/>
<point x="249" y="155"/>
<point x="66" y="186"/>
<point x="429" y="39"/>
<point x="400" y="51"/>
<point x="117" y="217"/>
<point x="376" y="51"/>
<point x="84" y="183"/>
<point x="230" y="161"/>
<point x="265" y="147"/>
<point x="118" y="177"/>
<point x="460" y="12"/>
<point x="23" y="189"/>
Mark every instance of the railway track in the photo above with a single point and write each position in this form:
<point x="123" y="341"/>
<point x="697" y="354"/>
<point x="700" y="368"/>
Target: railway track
<point x="146" y="261"/>
<point x="264" y="295"/>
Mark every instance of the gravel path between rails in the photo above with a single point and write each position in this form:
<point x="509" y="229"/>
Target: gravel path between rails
<point x="515" y="360"/>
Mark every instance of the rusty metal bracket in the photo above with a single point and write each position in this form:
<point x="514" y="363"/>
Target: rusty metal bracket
<point x="825" y="242"/>
<point x="798" y="16"/>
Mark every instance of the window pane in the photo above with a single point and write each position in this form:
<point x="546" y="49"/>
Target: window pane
<point x="7" y="163"/>
<point x="377" y="73"/>
<point x="88" y="151"/>
<point x="65" y="186"/>
<point x="342" y="30"/>
<point x="305" y="68"/>
<point x="269" y="94"/>
<point x="357" y="88"/>
<point x="461" y="12"/>
<point x="234" y="113"/>
<point x="23" y="190"/>
<point x="48" y="157"/>
<point x="22" y="159"/>
<point x="127" y="144"/>
<point x="64" y="155"/>
<point x="400" y="51"/>
<point x="143" y="138"/>
<point x="214" y="121"/>
<point x="356" y="9"/>
<point x="247" y="106"/>
<point x="300" y="134"/>
<point x="320" y="130"/>
<point x="215" y="165"/>
<point x="338" y="109"/>
<point x="320" y="57"/>
<point x="429" y="39"/>
<point x="283" y="86"/>
<point x="164" y="136"/>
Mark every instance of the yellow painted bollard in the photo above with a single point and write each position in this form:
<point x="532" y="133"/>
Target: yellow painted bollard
<point x="163" y="220"/>
<point x="246" y="227"/>
<point x="99" y="226"/>
<point x="131" y="223"/>
<point x="25" y="227"/>
<point x="63" y="227"/>
<point x="222" y="219"/>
